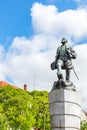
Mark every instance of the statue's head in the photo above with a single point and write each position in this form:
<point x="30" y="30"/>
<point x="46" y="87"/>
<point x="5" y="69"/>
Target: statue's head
<point x="64" y="40"/>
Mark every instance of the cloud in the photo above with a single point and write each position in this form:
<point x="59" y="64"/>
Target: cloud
<point x="47" y="19"/>
<point x="81" y="70"/>
<point x="28" y="60"/>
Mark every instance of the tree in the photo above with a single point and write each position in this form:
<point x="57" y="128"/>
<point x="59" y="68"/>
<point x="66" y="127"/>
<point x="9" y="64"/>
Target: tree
<point x="41" y="110"/>
<point x="83" y="125"/>
<point x="3" y="119"/>
<point x="23" y="110"/>
<point x="17" y="108"/>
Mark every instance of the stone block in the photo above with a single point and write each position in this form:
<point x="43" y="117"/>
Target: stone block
<point x="64" y="95"/>
<point x="65" y="121"/>
<point x="56" y="96"/>
<point x="65" y="110"/>
<point x="57" y="108"/>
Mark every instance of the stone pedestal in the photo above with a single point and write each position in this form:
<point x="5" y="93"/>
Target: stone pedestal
<point x="65" y="110"/>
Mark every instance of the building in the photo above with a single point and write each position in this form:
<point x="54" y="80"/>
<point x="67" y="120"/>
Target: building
<point x="3" y="83"/>
<point x="83" y="116"/>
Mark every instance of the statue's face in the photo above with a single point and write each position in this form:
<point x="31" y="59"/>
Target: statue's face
<point x="64" y="40"/>
<point x="63" y="43"/>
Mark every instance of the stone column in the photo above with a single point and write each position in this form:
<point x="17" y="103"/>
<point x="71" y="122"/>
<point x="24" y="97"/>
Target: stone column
<point x="65" y="110"/>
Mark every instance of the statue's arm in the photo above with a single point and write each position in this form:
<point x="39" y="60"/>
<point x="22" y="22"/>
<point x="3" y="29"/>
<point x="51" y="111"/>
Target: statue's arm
<point x="71" y="52"/>
<point x="57" y="54"/>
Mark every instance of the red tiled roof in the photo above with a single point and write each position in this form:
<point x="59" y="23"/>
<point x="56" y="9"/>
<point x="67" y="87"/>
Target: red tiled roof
<point x="2" y="83"/>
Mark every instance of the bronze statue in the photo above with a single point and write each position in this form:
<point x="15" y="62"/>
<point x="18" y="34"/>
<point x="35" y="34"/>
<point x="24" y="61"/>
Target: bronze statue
<point x="63" y="60"/>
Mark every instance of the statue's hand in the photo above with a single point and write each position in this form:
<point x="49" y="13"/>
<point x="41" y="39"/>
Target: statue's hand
<point x="53" y="65"/>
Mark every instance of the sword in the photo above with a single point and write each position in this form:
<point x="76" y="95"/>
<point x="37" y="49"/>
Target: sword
<point x="75" y="72"/>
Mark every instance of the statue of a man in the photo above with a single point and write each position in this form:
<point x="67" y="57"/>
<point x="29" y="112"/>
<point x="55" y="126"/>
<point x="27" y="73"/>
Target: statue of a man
<point x="63" y="60"/>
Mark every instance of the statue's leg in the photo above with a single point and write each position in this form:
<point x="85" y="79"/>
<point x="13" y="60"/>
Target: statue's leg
<point x="59" y="70"/>
<point x="68" y="74"/>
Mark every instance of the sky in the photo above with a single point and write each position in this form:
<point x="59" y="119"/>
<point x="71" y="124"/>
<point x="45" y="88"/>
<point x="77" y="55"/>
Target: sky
<point x="30" y="33"/>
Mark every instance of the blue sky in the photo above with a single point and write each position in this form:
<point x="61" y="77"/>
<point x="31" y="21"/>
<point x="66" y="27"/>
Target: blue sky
<point x="15" y="18"/>
<point x="31" y="31"/>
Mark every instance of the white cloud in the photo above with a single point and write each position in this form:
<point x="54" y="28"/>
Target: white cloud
<point x="23" y="64"/>
<point x="47" y="19"/>
<point x="27" y="59"/>
<point x="80" y="65"/>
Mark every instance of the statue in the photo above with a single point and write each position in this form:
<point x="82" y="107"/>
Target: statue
<point x="63" y="60"/>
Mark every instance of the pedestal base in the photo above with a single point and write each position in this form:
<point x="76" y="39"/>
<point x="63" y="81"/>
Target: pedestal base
<point x="65" y="110"/>
<point x="61" y="84"/>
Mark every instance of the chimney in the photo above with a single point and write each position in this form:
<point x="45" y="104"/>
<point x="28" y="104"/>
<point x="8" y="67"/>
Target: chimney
<point x="25" y="87"/>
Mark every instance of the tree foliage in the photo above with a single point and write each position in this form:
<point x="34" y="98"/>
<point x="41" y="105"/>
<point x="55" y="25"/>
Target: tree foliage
<point x="23" y="110"/>
<point x="41" y="110"/>
<point x="83" y="125"/>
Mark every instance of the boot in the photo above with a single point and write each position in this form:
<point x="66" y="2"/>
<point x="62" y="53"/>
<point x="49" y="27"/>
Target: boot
<point x="60" y="77"/>
<point x="68" y="74"/>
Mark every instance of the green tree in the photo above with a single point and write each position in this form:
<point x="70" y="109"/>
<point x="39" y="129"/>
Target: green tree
<point x="83" y="125"/>
<point x="17" y="108"/>
<point x="41" y="110"/>
<point x="22" y="110"/>
<point x="3" y="119"/>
